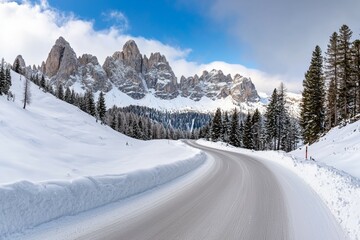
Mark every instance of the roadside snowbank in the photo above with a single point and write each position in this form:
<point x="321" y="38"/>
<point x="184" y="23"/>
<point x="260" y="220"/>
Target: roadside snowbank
<point x="339" y="148"/>
<point x="25" y="204"/>
<point x="339" y="190"/>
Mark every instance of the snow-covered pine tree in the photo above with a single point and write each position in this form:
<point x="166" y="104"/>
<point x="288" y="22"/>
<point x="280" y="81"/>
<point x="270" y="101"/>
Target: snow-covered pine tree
<point x="355" y="52"/>
<point x="216" y="129"/>
<point x="234" y="138"/>
<point x="27" y="93"/>
<point x="247" y="137"/>
<point x="346" y="86"/>
<point x="101" y="107"/>
<point x="312" y="106"/>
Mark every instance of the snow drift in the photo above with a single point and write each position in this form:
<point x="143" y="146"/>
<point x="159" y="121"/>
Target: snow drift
<point x="25" y="204"/>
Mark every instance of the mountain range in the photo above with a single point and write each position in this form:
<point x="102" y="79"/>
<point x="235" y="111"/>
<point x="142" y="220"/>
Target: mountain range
<point x="140" y="77"/>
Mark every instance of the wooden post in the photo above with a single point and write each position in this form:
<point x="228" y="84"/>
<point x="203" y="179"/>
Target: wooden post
<point x="306" y="152"/>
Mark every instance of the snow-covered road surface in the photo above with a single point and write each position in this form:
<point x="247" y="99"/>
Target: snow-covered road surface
<point x="239" y="198"/>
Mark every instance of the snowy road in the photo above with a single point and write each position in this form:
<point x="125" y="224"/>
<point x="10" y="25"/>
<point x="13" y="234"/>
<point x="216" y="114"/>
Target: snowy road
<point x="240" y="198"/>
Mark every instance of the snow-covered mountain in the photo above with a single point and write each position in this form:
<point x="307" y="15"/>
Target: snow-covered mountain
<point x="128" y="77"/>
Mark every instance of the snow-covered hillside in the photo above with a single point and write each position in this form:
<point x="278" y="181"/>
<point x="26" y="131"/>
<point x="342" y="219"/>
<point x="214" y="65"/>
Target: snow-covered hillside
<point x="339" y="148"/>
<point x="53" y="156"/>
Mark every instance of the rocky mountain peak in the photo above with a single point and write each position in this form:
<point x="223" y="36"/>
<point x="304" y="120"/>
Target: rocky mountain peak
<point x="61" y="62"/>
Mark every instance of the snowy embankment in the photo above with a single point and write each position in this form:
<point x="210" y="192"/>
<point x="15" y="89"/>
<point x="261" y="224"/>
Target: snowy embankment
<point x="25" y="204"/>
<point x="58" y="161"/>
<point x="339" y="190"/>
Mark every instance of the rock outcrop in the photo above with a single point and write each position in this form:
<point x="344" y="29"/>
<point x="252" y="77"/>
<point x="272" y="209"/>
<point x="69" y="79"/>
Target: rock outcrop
<point x="135" y="74"/>
<point x="61" y="62"/>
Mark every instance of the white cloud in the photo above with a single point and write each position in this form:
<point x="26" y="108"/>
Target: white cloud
<point x="120" y="20"/>
<point x="31" y="30"/>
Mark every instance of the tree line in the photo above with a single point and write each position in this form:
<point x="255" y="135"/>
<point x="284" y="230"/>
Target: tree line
<point x="331" y="94"/>
<point x="5" y="79"/>
<point x="276" y="130"/>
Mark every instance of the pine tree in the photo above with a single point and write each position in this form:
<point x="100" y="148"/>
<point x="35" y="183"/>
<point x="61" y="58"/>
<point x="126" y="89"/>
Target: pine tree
<point x="346" y="86"/>
<point x="27" y="93"/>
<point x="90" y="103"/>
<point x="332" y="76"/>
<point x="282" y="116"/>
<point x="8" y="80"/>
<point x="67" y="97"/>
<point x="256" y="129"/>
<point x="355" y="50"/>
<point x="234" y="138"/>
<point x="43" y="82"/>
<point x="216" y="126"/>
<point x="312" y="106"/>
<point x="226" y="127"/>
<point x="247" y="137"/>
<point x="60" y="91"/>
<point x="271" y="121"/>
<point x="2" y="81"/>
<point x="101" y="107"/>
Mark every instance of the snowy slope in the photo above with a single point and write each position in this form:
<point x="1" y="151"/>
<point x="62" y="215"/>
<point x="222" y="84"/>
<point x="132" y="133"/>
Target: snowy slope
<point x="339" y="148"/>
<point x="56" y="161"/>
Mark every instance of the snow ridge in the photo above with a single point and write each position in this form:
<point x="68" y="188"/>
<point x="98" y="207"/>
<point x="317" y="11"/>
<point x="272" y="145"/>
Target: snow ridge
<point x="25" y="204"/>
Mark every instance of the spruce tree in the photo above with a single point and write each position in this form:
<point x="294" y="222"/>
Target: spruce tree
<point x="90" y="103"/>
<point x="101" y="107"/>
<point x="67" y="96"/>
<point x="355" y="50"/>
<point x="312" y="106"/>
<point x="271" y="121"/>
<point x="332" y="76"/>
<point x="2" y="81"/>
<point x="43" y="82"/>
<point x="226" y="127"/>
<point x="346" y="86"/>
<point x="27" y="93"/>
<point x="247" y="137"/>
<point x="256" y="129"/>
<point x="216" y="129"/>
<point x="8" y="80"/>
<point x="60" y="91"/>
<point x="234" y="138"/>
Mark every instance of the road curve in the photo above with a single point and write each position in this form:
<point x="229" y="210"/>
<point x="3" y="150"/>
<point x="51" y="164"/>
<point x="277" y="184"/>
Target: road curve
<point x="240" y="198"/>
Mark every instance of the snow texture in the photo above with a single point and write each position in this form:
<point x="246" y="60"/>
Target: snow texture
<point x="58" y="161"/>
<point x="25" y="204"/>
<point x="339" y="190"/>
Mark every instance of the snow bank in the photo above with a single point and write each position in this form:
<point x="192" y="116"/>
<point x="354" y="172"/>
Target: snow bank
<point x="339" y="148"/>
<point x="25" y="204"/>
<point x="339" y="190"/>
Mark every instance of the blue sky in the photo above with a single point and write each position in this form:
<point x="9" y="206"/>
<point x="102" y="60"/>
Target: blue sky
<point x="170" y="22"/>
<point x="268" y="41"/>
